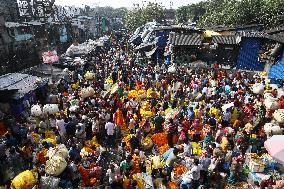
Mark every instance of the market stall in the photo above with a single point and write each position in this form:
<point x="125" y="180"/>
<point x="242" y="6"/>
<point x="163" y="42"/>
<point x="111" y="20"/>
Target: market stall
<point x="20" y="91"/>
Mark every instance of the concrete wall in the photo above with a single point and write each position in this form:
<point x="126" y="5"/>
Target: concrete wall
<point x="9" y="10"/>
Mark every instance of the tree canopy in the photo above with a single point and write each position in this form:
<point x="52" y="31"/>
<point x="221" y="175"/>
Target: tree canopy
<point x="270" y="13"/>
<point x="143" y="14"/>
<point x="109" y="12"/>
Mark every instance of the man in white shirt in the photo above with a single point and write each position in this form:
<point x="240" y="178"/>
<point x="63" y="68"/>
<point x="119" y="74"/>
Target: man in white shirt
<point x="80" y="133"/>
<point x="60" y="125"/>
<point x="226" y="117"/>
<point x="113" y="174"/>
<point x="110" y="133"/>
<point x="133" y="103"/>
<point x="187" y="147"/>
<point x="171" y="160"/>
<point x="193" y="175"/>
<point x="205" y="90"/>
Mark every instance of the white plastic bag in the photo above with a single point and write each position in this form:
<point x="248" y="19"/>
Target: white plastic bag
<point x="50" y="108"/>
<point x="59" y="150"/>
<point x="258" y="88"/>
<point x="73" y="108"/>
<point x="87" y="92"/>
<point x="271" y="103"/>
<point x="268" y="96"/>
<point x="55" y="166"/>
<point x="279" y="115"/>
<point x="272" y="129"/>
<point x="49" y="182"/>
<point x="172" y="69"/>
<point x="36" y="110"/>
<point x="187" y="177"/>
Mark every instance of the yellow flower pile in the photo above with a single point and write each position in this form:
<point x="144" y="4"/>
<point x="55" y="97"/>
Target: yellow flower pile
<point x="151" y="93"/>
<point x="132" y="94"/>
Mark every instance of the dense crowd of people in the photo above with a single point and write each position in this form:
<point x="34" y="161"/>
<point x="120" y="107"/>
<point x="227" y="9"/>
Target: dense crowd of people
<point x="187" y="129"/>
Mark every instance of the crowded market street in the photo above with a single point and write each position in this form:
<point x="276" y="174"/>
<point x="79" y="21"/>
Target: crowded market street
<point x="108" y="114"/>
<point x="140" y="126"/>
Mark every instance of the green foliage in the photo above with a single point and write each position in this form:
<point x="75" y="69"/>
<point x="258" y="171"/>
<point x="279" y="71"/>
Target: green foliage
<point x="109" y="12"/>
<point x="143" y="14"/>
<point x="234" y="12"/>
<point x="191" y="12"/>
<point x="182" y="14"/>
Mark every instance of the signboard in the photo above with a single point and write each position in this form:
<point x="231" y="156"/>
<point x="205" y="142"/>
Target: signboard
<point x="50" y="57"/>
<point x="25" y="8"/>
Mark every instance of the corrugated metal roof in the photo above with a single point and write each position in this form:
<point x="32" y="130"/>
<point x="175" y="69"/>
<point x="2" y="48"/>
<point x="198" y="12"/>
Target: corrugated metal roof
<point x="277" y="37"/>
<point x="221" y="28"/>
<point x="22" y="83"/>
<point x="253" y="34"/>
<point x="184" y="39"/>
<point x="275" y="30"/>
<point x="225" y="39"/>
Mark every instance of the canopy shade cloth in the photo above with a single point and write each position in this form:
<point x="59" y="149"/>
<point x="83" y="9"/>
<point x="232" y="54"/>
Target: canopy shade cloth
<point x="178" y="39"/>
<point x="150" y="53"/>
<point x="210" y="33"/>
<point x="226" y="39"/>
<point x="275" y="147"/>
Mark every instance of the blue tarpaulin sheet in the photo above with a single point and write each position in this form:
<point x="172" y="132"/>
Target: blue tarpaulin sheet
<point x="248" y="55"/>
<point x="162" y="40"/>
<point x="277" y="70"/>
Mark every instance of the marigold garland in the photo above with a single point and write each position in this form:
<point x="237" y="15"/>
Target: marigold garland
<point x="179" y="169"/>
<point x="160" y="139"/>
<point x="173" y="185"/>
<point x="136" y="164"/>
<point x="127" y="141"/>
<point x="163" y="149"/>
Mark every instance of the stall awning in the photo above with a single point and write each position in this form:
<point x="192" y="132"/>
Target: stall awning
<point x="145" y="45"/>
<point x="178" y="39"/>
<point x="210" y="33"/>
<point x="226" y="39"/>
<point x="275" y="147"/>
<point x="150" y="53"/>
